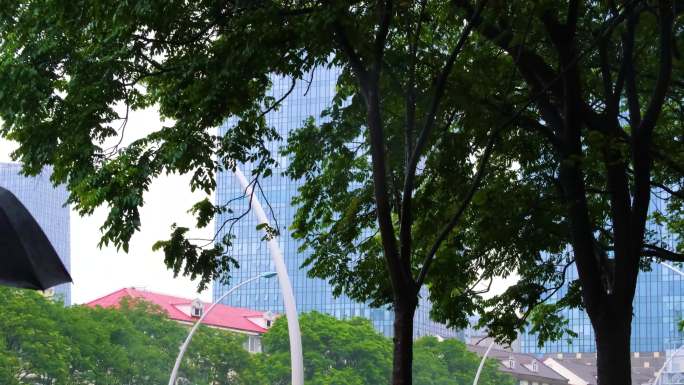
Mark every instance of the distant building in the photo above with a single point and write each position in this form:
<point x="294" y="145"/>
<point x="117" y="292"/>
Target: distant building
<point x="580" y="368"/>
<point x="307" y="99"/>
<point x="187" y="311"/>
<point x="525" y="368"/>
<point x="46" y="204"/>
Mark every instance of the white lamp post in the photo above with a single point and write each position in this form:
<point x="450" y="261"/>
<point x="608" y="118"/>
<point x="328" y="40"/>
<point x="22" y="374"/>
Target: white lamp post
<point x="482" y="362"/>
<point x="660" y="372"/>
<point x="296" y="358"/>
<point x="669" y="359"/>
<point x="184" y="347"/>
<point x="676" y="270"/>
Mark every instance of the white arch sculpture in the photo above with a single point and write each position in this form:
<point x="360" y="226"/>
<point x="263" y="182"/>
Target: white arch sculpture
<point x="296" y="358"/>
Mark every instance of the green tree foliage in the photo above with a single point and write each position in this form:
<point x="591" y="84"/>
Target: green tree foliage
<point x="467" y="140"/>
<point x="597" y="105"/>
<point x="45" y="343"/>
<point x="345" y="352"/>
<point x="353" y="352"/>
<point x="449" y="362"/>
<point x="65" y="66"/>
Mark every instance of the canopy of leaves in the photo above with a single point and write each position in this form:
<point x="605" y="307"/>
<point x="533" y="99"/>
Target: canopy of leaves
<point x="42" y="342"/>
<point x="352" y="352"/>
<point x="505" y="87"/>
<point x="619" y="81"/>
<point x="66" y="66"/>
<point x="71" y="72"/>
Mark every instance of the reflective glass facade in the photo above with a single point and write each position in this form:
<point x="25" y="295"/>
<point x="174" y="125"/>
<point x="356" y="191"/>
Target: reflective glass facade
<point x="311" y="294"/>
<point x="658" y="308"/>
<point x="47" y="205"/>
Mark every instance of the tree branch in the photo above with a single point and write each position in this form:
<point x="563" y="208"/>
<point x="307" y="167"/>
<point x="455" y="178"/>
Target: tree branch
<point x="664" y="71"/>
<point x="281" y="99"/>
<point x="676" y="193"/>
<point x="427" y="262"/>
<point x="440" y="87"/>
<point x="410" y="98"/>
<point x="368" y="82"/>
<point x="629" y="71"/>
<point x="385" y="13"/>
<point x="345" y="45"/>
<point x="573" y="15"/>
<point x="642" y="137"/>
<point x="662" y="253"/>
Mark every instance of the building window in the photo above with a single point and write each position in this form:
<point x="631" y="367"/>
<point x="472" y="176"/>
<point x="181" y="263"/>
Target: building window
<point x="254" y="344"/>
<point x="269" y="317"/>
<point x="196" y="308"/>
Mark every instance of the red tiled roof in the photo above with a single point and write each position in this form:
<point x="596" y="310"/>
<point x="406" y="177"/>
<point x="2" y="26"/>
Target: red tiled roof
<point x="222" y="316"/>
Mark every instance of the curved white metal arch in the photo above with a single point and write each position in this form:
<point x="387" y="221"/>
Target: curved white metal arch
<point x="186" y="343"/>
<point x="667" y="362"/>
<point x="482" y="362"/>
<point x="296" y="357"/>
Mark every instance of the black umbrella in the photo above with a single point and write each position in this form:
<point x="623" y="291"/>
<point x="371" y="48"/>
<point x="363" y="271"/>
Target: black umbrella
<point x="27" y="258"/>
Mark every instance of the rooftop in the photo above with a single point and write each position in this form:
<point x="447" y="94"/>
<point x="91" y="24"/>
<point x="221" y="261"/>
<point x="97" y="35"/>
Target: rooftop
<point x="523" y="364"/>
<point x="583" y="365"/>
<point x="178" y="309"/>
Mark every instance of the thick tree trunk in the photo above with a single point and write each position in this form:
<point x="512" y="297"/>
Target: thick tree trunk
<point x="613" y="351"/>
<point x="402" y="369"/>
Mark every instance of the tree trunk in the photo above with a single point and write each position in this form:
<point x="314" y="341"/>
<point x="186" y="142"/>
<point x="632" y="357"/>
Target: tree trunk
<point x="402" y="369"/>
<point x="613" y="351"/>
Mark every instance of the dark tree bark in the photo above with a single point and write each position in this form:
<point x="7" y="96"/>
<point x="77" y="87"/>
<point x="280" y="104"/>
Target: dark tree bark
<point x="612" y="347"/>
<point x="402" y="367"/>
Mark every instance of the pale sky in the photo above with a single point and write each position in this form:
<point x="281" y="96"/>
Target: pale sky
<point x="97" y="272"/>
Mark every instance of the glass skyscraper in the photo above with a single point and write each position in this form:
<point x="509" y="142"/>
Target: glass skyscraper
<point x="46" y="204"/>
<point x="658" y="309"/>
<point x="250" y="250"/>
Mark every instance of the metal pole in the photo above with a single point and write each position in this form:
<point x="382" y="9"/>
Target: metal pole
<point x="297" y="361"/>
<point x="482" y="362"/>
<point x="660" y="372"/>
<point x="676" y="270"/>
<point x="184" y="347"/>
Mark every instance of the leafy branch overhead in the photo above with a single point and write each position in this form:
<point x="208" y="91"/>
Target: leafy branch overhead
<point x="466" y="141"/>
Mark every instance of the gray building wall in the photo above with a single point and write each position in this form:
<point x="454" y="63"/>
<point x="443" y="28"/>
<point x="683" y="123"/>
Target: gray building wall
<point x="311" y="294"/>
<point x="46" y="203"/>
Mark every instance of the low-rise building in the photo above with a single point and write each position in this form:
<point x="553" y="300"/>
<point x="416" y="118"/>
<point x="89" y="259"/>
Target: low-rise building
<point x="580" y="368"/>
<point x="253" y="323"/>
<point x="525" y="368"/>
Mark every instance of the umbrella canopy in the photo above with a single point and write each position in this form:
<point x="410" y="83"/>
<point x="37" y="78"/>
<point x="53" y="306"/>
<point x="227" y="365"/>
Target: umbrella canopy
<point x="27" y="258"/>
